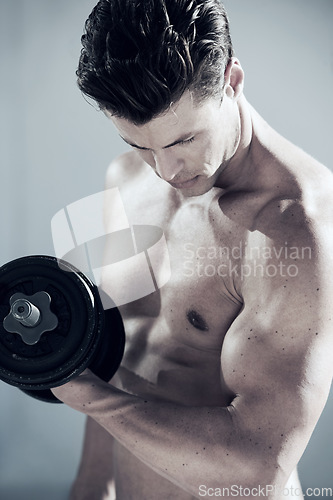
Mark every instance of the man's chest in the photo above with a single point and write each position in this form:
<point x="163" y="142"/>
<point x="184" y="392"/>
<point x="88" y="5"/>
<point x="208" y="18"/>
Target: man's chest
<point x="175" y="334"/>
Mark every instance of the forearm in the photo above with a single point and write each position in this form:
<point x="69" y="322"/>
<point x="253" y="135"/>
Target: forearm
<point x="187" y="445"/>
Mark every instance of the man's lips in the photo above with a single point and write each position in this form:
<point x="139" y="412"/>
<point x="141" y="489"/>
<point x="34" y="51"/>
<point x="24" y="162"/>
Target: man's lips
<point x="184" y="184"/>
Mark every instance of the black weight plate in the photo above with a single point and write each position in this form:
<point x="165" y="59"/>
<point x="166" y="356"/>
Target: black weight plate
<point x="64" y="352"/>
<point x="109" y="353"/>
<point x="106" y="359"/>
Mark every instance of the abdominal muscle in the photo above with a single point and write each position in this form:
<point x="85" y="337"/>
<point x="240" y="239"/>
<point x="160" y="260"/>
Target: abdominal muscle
<point x="160" y="366"/>
<point x="132" y="480"/>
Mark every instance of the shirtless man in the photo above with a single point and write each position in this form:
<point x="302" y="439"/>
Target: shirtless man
<point x="228" y="366"/>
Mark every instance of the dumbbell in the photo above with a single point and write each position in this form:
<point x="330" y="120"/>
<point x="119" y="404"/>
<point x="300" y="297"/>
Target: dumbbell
<point x="53" y="326"/>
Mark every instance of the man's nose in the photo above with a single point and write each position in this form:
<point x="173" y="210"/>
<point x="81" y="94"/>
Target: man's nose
<point x="167" y="164"/>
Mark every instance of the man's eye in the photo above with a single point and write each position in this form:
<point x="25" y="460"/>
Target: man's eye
<point x="188" y="141"/>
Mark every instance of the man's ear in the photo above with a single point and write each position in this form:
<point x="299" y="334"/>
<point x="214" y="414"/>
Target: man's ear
<point x="233" y="79"/>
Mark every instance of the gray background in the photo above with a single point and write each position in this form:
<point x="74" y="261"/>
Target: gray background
<point x="55" y="149"/>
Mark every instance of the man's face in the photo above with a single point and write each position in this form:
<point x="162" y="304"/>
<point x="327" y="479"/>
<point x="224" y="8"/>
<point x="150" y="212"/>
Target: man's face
<point x="189" y="145"/>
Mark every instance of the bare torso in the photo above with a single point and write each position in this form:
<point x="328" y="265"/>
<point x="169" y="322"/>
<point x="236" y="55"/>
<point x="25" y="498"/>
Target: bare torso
<point x="175" y="336"/>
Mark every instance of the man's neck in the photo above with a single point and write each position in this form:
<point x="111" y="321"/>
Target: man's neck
<point x="236" y="173"/>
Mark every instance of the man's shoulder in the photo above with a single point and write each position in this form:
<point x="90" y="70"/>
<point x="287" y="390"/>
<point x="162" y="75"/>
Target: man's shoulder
<point x="292" y="188"/>
<point x="124" y="169"/>
<point x="298" y="197"/>
<point x="140" y="189"/>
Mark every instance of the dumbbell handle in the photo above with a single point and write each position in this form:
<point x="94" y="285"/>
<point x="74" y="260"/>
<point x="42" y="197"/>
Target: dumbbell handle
<point x="25" y="312"/>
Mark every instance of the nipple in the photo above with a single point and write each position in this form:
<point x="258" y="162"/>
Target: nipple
<point x="197" y="320"/>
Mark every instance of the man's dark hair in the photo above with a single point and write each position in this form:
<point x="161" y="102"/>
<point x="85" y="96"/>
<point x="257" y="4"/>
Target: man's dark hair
<point x="139" y="56"/>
